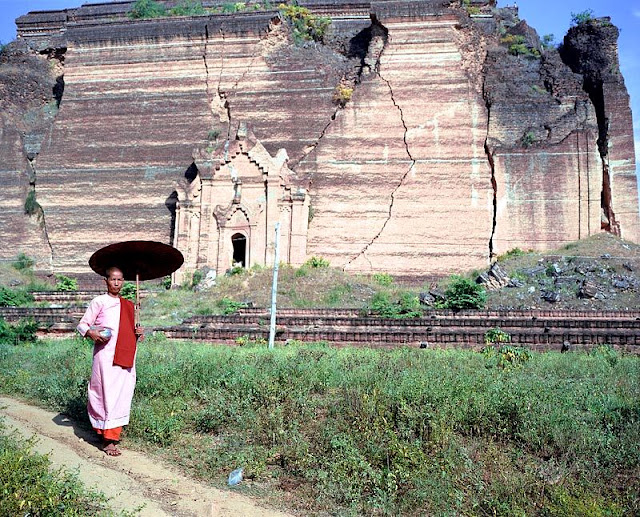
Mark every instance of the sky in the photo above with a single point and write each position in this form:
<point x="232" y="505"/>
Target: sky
<point x="546" y="16"/>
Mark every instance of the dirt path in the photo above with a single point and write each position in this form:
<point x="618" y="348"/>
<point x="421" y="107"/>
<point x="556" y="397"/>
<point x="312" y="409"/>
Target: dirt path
<point x="131" y="481"/>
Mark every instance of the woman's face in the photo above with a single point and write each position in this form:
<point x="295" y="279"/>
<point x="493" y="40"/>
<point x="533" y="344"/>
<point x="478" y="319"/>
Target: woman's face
<point x="114" y="282"/>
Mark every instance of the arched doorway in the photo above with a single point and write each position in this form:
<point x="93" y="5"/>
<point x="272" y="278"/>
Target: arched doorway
<point x="239" y="242"/>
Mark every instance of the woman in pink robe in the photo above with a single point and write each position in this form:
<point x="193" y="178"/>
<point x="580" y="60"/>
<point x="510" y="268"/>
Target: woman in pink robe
<point x="111" y="386"/>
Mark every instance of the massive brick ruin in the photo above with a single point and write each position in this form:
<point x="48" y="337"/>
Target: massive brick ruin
<point x="413" y="140"/>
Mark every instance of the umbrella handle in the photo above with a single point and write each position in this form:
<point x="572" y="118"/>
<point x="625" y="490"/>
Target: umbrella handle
<point x="137" y="307"/>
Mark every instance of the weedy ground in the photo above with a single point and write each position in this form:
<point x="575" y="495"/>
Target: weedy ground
<point x="327" y="431"/>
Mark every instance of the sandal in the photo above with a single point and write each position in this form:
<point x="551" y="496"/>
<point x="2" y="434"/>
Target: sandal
<point x="111" y="449"/>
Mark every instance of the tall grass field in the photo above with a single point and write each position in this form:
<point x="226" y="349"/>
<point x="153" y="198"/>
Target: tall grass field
<point x="328" y="431"/>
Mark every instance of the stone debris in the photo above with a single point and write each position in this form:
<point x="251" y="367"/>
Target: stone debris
<point x="551" y="296"/>
<point x="588" y="290"/>
<point x="494" y="279"/>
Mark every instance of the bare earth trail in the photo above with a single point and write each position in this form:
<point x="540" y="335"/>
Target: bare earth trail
<point x="131" y="481"/>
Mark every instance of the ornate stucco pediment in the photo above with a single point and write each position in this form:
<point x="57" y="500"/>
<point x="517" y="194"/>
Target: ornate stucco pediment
<point x="239" y="192"/>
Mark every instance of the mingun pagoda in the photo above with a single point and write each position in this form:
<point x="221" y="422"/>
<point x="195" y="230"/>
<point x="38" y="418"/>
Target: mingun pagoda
<point x="415" y="137"/>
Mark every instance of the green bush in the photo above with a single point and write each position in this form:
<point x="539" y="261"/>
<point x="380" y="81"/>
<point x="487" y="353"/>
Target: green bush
<point x="65" y="283"/>
<point x="305" y="26"/>
<point x="515" y="252"/>
<point x="229" y="306"/>
<point x="496" y="335"/>
<point x="548" y="41"/>
<point x="233" y="7"/>
<point x="407" y="306"/>
<point x="14" y="297"/>
<point x="142" y="9"/>
<point x="316" y="262"/>
<point x="23" y="262"/>
<point x="582" y="18"/>
<point x="383" y="279"/>
<point x="251" y="341"/>
<point x="31" y="206"/>
<point x="464" y="294"/>
<point x="22" y="332"/>
<point x="187" y="8"/>
<point x="506" y="357"/>
<point x="196" y="278"/>
<point x="31" y="487"/>
<point x="606" y="353"/>
<point x="128" y="291"/>
<point x="528" y="139"/>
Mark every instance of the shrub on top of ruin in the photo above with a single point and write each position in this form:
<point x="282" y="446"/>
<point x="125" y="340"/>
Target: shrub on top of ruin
<point x="14" y="297"/>
<point x="581" y="18"/>
<point x="471" y="9"/>
<point x="305" y="26"/>
<point x="187" y="8"/>
<point x="142" y="9"/>
<point x="518" y="47"/>
<point x="406" y="306"/>
<point x="233" y="7"/>
<point x="548" y="41"/>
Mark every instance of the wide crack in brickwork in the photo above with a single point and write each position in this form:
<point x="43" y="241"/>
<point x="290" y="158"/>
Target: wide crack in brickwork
<point x="494" y="185"/>
<point x="392" y="195"/>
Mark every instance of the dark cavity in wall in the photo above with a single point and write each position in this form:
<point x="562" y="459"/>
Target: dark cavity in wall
<point x="363" y="46"/>
<point x="191" y="173"/>
<point x="57" y="54"/>
<point x="171" y="203"/>
<point x="586" y="50"/>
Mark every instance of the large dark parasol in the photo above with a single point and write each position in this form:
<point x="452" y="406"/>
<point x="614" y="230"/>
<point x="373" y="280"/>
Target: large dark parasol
<point x="138" y="260"/>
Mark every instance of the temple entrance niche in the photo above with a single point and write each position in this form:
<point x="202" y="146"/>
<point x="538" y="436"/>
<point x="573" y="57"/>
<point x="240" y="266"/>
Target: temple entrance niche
<point x="239" y="243"/>
<point x="238" y="193"/>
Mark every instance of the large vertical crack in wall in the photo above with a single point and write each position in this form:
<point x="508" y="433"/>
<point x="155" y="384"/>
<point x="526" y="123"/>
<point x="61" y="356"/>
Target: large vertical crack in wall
<point x="32" y="141"/>
<point x="494" y="186"/>
<point x="596" y="94"/>
<point x="392" y="195"/>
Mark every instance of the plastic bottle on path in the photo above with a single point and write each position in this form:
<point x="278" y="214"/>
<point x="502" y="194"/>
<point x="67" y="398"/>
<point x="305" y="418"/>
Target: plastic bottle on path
<point x="235" y="477"/>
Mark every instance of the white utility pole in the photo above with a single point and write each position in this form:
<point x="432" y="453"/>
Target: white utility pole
<point x="274" y="288"/>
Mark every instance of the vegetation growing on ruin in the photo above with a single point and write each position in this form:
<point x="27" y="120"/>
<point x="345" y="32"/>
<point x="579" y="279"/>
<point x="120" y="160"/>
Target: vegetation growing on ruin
<point x="471" y="9"/>
<point x="304" y="25"/>
<point x="582" y="17"/>
<point x="373" y="432"/>
<point x="342" y="94"/>
<point x="31" y="206"/>
<point x="144" y="9"/>
<point x="518" y="47"/>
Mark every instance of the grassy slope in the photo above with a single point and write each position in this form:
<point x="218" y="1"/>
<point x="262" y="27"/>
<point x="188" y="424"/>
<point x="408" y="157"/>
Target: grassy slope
<point x="329" y="287"/>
